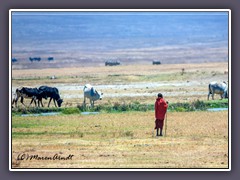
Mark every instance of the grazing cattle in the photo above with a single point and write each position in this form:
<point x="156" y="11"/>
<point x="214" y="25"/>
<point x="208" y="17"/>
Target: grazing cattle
<point x="112" y="63"/>
<point x="14" y="60"/>
<point x="155" y="62"/>
<point x="91" y="94"/>
<point x="53" y="77"/>
<point x="218" y="88"/>
<point x="25" y="92"/>
<point x="53" y="93"/>
<point x="50" y="58"/>
<point x="34" y="59"/>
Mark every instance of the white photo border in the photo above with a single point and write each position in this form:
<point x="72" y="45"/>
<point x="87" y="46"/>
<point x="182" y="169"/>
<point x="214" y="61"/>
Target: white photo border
<point x="119" y="10"/>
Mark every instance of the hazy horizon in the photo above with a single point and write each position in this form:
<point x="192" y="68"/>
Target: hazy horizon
<point x="77" y="36"/>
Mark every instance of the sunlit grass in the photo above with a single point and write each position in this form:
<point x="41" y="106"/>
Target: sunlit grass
<point x="124" y="139"/>
<point x="194" y="140"/>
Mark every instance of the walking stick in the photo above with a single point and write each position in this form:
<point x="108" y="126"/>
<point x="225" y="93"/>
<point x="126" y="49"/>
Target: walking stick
<point x="153" y="132"/>
<point x="166" y="125"/>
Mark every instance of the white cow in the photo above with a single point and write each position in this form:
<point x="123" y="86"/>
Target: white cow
<point x="218" y="88"/>
<point x="91" y="94"/>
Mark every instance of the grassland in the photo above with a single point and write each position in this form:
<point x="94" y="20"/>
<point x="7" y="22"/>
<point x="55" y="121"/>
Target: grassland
<point x="124" y="139"/>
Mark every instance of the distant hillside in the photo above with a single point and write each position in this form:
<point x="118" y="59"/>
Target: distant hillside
<point x="83" y="39"/>
<point x="165" y="54"/>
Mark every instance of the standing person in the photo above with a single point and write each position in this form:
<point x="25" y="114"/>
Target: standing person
<point x="160" y="110"/>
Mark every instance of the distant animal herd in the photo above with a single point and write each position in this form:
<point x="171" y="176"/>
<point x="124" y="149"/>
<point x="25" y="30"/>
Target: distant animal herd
<point x="32" y="59"/>
<point x="107" y="63"/>
<point x="44" y="92"/>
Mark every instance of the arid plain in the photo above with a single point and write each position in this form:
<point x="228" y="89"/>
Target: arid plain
<point x="124" y="140"/>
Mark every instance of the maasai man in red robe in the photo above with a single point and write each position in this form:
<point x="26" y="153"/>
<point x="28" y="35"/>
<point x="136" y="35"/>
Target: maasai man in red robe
<point x="160" y="110"/>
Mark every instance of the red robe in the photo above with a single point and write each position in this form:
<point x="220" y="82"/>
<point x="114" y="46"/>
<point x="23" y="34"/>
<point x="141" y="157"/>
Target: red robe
<point x="160" y="111"/>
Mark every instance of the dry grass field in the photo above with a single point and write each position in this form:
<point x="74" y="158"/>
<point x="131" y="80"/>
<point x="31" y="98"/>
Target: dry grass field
<point x="123" y="140"/>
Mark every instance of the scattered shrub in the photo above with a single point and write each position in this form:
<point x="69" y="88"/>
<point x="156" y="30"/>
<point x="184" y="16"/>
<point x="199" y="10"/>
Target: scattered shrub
<point x="71" y="110"/>
<point x="180" y="109"/>
<point x="129" y="133"/>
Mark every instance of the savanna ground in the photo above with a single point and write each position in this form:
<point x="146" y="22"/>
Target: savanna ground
<point x="124" y="140"/>
<point x="178" y="82"/>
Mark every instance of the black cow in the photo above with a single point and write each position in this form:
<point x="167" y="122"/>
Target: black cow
<point x="53" y="93"/>
<point x="25" y="92"/>
<point x="156" y="62"/>
<point x="34" y="59"/>
<point x="50" y="58"/>
<point x="112" y="63"/>
<point x="14" y="60"/>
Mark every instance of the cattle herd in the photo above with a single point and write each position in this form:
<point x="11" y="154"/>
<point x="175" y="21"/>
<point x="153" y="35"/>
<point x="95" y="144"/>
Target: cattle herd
<point x="156" y="62"/>
<point x="37" y="94"/>
<point x="44" y="92"/>
<point x="112" y="63"/>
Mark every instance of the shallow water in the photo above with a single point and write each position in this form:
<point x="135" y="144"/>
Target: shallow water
<point x="150" y="85"/>
<point x="132" y="86"/>
<point x="93" y="113"/>
<point x="55" y="114"/>
<point x="89" y="113"/>
<point x="42" y="114"/>
<point x="217" y="109"/>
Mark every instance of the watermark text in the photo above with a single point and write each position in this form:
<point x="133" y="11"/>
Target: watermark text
<point x="55" y="157"/>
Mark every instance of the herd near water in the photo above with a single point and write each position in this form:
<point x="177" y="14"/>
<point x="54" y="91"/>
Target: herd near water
<point x="44" y="92"/>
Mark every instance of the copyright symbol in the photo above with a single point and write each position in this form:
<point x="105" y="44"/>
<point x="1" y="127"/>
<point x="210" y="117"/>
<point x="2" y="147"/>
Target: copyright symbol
<point x="22" y="157"/>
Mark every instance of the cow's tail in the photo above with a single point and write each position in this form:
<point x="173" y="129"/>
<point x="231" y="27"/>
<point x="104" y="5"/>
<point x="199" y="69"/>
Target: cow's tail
<point x="209" y="89"/>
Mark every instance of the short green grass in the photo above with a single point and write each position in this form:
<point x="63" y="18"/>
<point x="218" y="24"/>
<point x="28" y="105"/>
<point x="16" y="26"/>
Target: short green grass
<point x="124" y="107"/>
